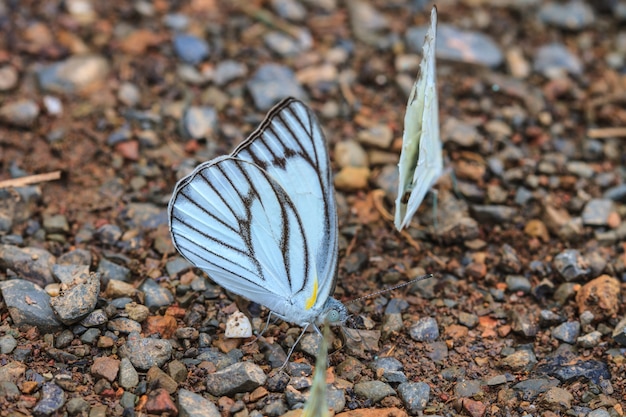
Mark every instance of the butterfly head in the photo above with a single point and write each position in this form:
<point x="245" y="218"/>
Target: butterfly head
<point x="333" y="312"/>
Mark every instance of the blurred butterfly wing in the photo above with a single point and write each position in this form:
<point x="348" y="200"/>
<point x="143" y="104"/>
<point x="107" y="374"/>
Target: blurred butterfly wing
<point x="421" y="161"/>
<point x="317" y="404"/>
<point x="290" y="146"/>
<point x="235" y="222"/>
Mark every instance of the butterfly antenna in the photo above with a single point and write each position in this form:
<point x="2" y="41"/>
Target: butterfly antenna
<point x="374" y="294"/>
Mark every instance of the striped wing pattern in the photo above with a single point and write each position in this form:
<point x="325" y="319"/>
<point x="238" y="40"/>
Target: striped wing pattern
<point x="261" y="221"/>
<point x="421" y="160"/>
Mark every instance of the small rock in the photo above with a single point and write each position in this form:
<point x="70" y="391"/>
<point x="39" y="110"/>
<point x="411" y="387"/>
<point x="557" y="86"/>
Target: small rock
<point x="159" y="402"/>
<point x="105" y="367"/>
<point x="425" y="330"/>
<point x="589" y="340"/>
<point x="144" y="353"/>
<point x="123" y="325"/>
<point x="520" y="360"/>
<point x="128" y="376"/>
<point x="619" y="333"/>
<point x="200" y="122"/>
<point x="379" y="136"/>
<point x="415" y="396"/>
<point x="52" y="399"/>
<point x="238" y="326"/>
<point x="158" y="379"/>
<point x="78" y="300"/>
<point x="467" y="388"/>
<point x="78" y="73"/>
<point x="194" y="405"/>
<point x="155" y="295"/>
<point x="519" y="283"/>
<point x="352" y="178"/>
<point x="349" y="153"/>
<point x="191" y="49"/>
<point x="272" y="82"/>
<point x="571" y="15"/>
<point x="597" y="212"/>
<point x="557" y="399"/>
<point x="567" y="332"/>
<point x="29" y="305"/>
<point x="7" y="344"/>
<point x="32" y="264"/>
<point x="600" y="297"/>
<point x="238" y="378"/>
<point x="373" y="390"/>
<point x="8" y="78"/>
<point x="555" y="59"/>
<point x="22" y="113"/>
<point x="571" y="265"/>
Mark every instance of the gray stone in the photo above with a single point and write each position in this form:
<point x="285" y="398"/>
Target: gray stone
<point x="272" y="82"/>
<point x="373" y="390"/>
<point x="77" y="301"/>
<point x="31" y="264"/>
<point x="238" y="378"/>
<point x="425" y="330"/>
<point x="52" y="399"/>
<point x="191" y="49"/>
<point x="128" y="376"/>
<point x="29" y="305"/>
<point x="21" y="113"/>
<point x="155" y="295"/>
<point x="567" y="332"/>
<point x="144" y="353"/>
<point x="597" y="212"/>
<point x="194" y="405"/>
<point x="74" y="74"/>
<point x="571" y="265"/>
<point x="7" y="344"/>
<point x="415" y="396"/>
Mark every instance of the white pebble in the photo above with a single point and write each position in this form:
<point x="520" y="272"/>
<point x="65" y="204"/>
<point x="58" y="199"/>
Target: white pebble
<point x="238" y="326"/>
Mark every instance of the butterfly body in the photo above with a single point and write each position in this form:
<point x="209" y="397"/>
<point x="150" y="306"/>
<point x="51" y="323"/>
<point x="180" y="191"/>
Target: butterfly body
<point x="262" y="222"/>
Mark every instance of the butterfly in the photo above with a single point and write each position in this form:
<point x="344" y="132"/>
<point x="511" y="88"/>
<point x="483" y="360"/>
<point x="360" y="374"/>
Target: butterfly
<point x="421" y="160"/>
<point x="262" y="221"/>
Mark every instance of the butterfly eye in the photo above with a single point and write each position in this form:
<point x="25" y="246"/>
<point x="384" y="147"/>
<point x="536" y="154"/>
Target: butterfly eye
<point x="333" y="316"/>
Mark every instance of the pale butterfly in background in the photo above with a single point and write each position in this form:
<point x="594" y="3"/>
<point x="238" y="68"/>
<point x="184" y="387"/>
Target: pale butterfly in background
<point x="317" y="404"/>
<point x="262" y="221"/>
<point x="421" y="160"/>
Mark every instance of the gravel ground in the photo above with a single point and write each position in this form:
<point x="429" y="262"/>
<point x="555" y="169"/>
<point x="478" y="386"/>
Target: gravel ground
<point x="114" y="101"/>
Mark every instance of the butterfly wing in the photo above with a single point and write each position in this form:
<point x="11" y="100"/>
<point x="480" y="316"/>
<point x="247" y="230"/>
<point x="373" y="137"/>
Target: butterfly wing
<point x="421" y="161"/>
<point x="262" y="222"/>
<point x="290" y="146"/>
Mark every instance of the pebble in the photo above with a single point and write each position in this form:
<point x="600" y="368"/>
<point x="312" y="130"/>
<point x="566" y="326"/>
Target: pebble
<point x="351" y="369"/>
<point x="7" y="344"/>
<point x="352" y="178"/>
<point x="599" y="296"/>
<point x="568" y="366"/>
<point x="123" y="325"/>
<point x="190" y="49"/>
<point x="20" y="113"/>
<point x="520" y="360"/>
<point x="571" y="265"/>
<point x="77" y="406"/>
<point x="128" y="377"/>
<point x="159" y="402"/>
<point x="237" y="378"/>
<point x="460" y="133"/>
<point x="415" y="396"/>
<point x="491" y="214"/>
<point x="597" y="212"/>
<point x="155" y="377"/>
<point x="571" y="15"/>
<point x="425" y="330"/>
<point x="95" y="318"/>
<point x="74" y="75"/>
<point x="155" y="295"/>
<point x="467" y="388"/>
<point x="90" y="336"/>
<point x="29" y="305"/>
<point x="116" y="289"/>
<point x="238" y="326"/>
<point x="468" y="320"/>
<point x="567" y="332"/>
<point x="52" y="399"/>
<point x="619" y="333"/>
<point x="389" y="369"/>
<point x="374" y="391"/>
<point x="616" y="193"/>
<point x="9" y="78"/>
<point x="229" y="70"/>
<point x="282" y="44"/>
<point x="66" y="274"/>
<point x="349" y="153"/>
<point x="379" y="135"/>
<point x="519" y="283"/>
<point x="77" y="299"/>
<point x="590" y="340"/>
<point x="458" y="45"/>
<point x="557" y="399"/>
<point x="289" y="9"/>
<point x="32" y="264"/>
<point x="200" y="122"/>
<point x="272" y="82"/>
<point x="554" y="61"/>
<point x="105" y="367"/>
<point x="129" y="94"/>
<point x="145" y="353"/>
<point x="195" y="405"/>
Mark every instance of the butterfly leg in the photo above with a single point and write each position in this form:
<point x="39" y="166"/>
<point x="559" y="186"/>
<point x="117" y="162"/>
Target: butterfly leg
<point x="296" y="344"/>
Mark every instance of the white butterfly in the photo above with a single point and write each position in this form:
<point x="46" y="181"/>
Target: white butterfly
<point x="262" y="221"/>
<point x="421" y="160"/>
